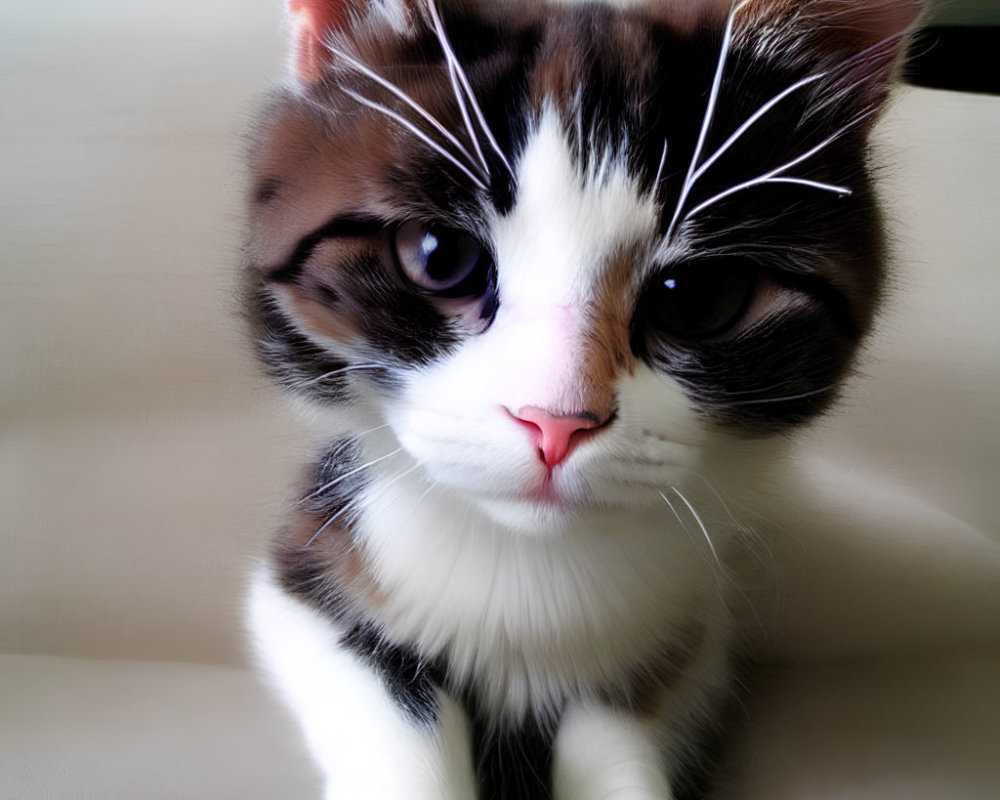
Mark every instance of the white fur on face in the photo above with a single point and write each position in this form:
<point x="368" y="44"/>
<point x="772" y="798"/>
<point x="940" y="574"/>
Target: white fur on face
<point x="455" y="417"/>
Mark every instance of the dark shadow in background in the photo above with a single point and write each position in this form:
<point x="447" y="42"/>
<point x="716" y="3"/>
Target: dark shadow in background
<point x="959" y="58"/>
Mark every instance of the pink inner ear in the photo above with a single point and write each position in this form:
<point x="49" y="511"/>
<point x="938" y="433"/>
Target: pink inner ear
<point x="312" y="23"/>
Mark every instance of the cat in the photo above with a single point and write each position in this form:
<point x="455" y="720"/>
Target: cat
<point x="557" y="281"/>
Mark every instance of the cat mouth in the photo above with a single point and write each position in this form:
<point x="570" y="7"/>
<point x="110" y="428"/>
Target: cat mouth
<point x="546" y="494"/>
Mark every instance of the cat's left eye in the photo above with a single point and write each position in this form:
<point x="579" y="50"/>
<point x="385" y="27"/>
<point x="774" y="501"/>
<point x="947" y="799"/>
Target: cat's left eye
<point x="443" y="262"/>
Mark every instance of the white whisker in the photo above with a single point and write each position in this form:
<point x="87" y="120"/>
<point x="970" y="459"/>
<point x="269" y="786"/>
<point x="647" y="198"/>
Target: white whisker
<point x="346" y="475"/>
<point x="750" y="122"/>
<point x="334" y="373"/>
<point x="713" y="97"/>
<point x="382" y="487"/>
<point x="843" y="191"/>
<point x="459" y="73"/>
<point x="673" y="509"/>
<point x="701" y="524"/>
<point x="416" y="132"/>
<point x="327" y="524"/>
<point x="775" y="175"/>
<point x="659" y="171"/>
<point x="394" y="89"/>
<point x="369" y="431"/>
<point x="786" y="398"/>
<point x="456" y="88"/>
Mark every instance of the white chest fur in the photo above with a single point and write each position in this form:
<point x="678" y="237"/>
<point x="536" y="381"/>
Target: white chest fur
<point x="530" y="617"/>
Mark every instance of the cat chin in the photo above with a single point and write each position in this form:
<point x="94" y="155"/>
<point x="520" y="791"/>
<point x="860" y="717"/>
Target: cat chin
<point x="528" y="518"/>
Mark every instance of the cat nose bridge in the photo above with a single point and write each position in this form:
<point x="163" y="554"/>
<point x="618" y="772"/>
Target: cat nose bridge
<point x="560" y="359"/>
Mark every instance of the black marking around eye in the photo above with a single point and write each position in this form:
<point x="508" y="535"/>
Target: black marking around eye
<point x="397" y="321"/>
<point x="338" y="228"/>
<point x="779" y="373"/>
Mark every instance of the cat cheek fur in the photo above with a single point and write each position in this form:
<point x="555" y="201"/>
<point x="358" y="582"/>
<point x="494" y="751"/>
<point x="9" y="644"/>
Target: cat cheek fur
<point x="442" y="630"/>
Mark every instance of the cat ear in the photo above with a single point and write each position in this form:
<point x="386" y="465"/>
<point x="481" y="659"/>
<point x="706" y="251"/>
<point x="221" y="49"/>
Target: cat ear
<point x="857" y="43"/>
<point x="313" y="23"/>
<point x="857" y="23"/>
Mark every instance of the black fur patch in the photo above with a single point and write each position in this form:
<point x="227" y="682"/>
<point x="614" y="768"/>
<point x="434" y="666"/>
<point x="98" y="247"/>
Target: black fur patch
<point x="339" y="228"/>
<point x="337" y="479"/>
<point x="411" y="682"/>
<point x="511" y="763"/>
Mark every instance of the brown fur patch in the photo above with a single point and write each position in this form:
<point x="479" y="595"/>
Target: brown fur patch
<point x="609" y="352"/>
<point x="318" y="318"/>
<point x="331" y="564"/>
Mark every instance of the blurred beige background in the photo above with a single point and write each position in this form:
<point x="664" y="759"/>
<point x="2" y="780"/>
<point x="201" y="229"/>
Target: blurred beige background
<point x="144" y="462"/>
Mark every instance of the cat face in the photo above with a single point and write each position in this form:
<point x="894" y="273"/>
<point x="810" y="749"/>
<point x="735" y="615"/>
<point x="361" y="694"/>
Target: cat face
<point x="572" y="254"/>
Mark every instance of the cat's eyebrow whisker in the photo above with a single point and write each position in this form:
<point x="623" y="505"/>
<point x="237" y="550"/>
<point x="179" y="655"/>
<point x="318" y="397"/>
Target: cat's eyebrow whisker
<point x="455" y="68"/>
<point x="340" y="478"/>
<point x="776" y="175"/>
<point x="750" y="122"/>
<point x="713" y="98"/>
<point x="394" y="89"/>
<point x="401" y="120"/>
<point x="451" y="61"/>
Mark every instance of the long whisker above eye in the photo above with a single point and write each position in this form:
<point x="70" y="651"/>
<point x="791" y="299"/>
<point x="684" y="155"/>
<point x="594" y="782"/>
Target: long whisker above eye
<point x="713" y="98"/>
<point x="401" y="120"/>
<point x="757" y="115"/>
<point x="394" y="89"/>
<point x="776" y="175"/>
<point x="455" y="85"/>
<point x="455" y="69"/>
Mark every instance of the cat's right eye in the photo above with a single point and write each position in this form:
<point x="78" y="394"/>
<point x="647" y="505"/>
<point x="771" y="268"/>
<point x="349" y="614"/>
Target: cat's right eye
<point x="442" y="262"/>
<point x="701" y="300"/>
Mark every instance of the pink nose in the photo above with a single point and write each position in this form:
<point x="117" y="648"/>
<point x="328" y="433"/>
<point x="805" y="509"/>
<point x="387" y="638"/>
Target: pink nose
<point x="555" y="434"/>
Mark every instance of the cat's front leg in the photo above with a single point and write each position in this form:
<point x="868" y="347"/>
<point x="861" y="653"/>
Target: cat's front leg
<point x="375" y="732"/>
<point x="606" y="754"/>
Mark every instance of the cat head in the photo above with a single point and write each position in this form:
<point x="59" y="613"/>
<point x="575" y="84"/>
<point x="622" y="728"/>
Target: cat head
<point x="571" y="253"/>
